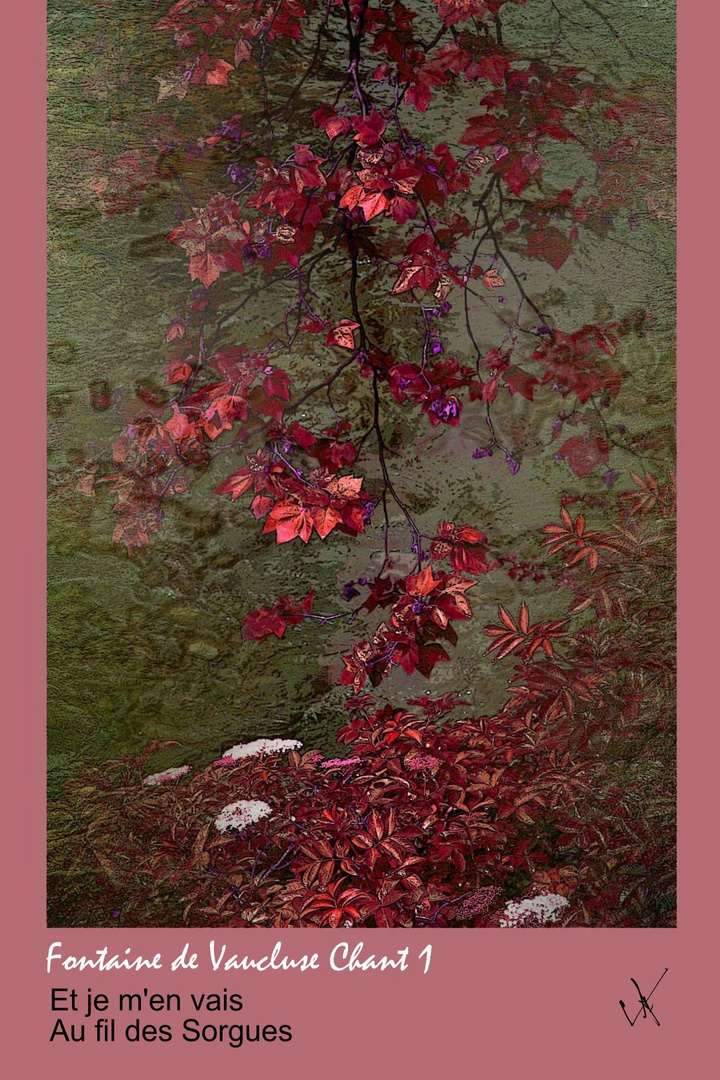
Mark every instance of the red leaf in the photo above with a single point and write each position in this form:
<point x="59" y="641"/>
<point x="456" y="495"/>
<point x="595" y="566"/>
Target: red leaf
<point x="515" y="174"/>
<point x="333" y="125"/>
<point x="216" y="74"/>
<point x="206" y="267"/>
<point x="373" y="204"/>
<point x="584" y="454"/>
<point x="260" y="506"/>
<point x="493" y="67"/>
<point x="288" y="520"/>
<point x="345" y="487"/>
<point x="421" y="584"/>
<point x="177" y="371"/>
<point x="550" y="245"/>
<point x="325" y="518"/>
<point x="259" y="624"/>
<point x="277" y="384"/>
<point x="491" y="279"/>
<point x="521" y="382"/>
<point x="175" y="330"/>
<point x="343" y="334"/>
<point x="369" y="128"/>
<point x="243" y="51"/>
<point x="236" y="485"/>
<point x="482" y="131"/>
<point x="430" y="655"/>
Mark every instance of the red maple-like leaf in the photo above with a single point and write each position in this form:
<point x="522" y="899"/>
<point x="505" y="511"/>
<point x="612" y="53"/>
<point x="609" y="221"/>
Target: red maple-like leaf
<point x="369" y="128"/>
<point x="343" y="334"/>
<point x="333" y="125"/>
<point x="494" y="66"/>
<point x="521" y="382"/>
<point x="206" y="267"/>
<point x="334" y="452"/>
<point x="216" y="73"/>
<point x="177" y="371"/>
<point x="421" y="584"/>
<point x="175" y="330"/>
<point x="482" y="131"/>
<point x="551" y="245"/>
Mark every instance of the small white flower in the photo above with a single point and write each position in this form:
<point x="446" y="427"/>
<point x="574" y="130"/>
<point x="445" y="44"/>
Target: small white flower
<point x="168" y="774"/>
<point x="239" y="815"/>
<point x="534" y="910"/>
<point x="261" y="746"/>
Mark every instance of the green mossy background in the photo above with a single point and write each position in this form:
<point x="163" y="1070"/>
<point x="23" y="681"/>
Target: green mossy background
<point x="150" y="646"/>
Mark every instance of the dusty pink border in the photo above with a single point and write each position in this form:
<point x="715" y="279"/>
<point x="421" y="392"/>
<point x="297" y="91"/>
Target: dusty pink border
<point x="542" y="1004"/>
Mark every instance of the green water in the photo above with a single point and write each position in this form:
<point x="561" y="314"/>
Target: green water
<point x="150" y="646"/>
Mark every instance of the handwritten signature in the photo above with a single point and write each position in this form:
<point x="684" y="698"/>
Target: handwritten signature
<point x="646" y="1009"/>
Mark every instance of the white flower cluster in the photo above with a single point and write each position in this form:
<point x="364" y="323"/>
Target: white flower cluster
<point x="534" y="910"/>
<point x="261" y="746"/>
<point x="168" y="774"/>
<point x="239" y="815"/>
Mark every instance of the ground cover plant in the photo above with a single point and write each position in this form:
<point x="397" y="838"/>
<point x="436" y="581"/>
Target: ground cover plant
<point x="404" y="250"/>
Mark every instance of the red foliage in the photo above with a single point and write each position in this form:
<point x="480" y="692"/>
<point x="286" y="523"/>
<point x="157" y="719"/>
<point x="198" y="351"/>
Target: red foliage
<point x="259" y="624"/>
<point x="465" y="546"/>
<point x="429" y="822"/>
<point x="432" y="822"/>
<point x="375" y="196"/>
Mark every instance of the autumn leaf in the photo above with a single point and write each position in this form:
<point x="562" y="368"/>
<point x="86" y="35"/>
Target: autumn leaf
<point x="494" y="66"/>
<point x="482" y="131"/>
<point x="415" y="274"/>
<point x="514" y="173"/>
<point x="452" y="600"/>
<point x="327" y="118"/>
<point x="216" y="74"/>
<point x="288" y="519"/>
<point x="551" y="245"/>
<point x="343" y="334"/>
<point x="325" y="518"/>
<point x="519" y="634"/>
<point x="173" y="84"/>
<point x="575" y="541"/>
<point x="175" y="331"/>
<point x="277" y="384"/>
<point x="178" y="426"/>
<point x="345" y="487"/>
<point x="646" y="497"/>
<point x="307" y="173"/>
<point x="177" y="371"/>
<point x="421" y="584"/>
<point x="520" y="382"/>
<point x="369" y="128"/>
<point x="584" y="454"/>
<point x="243" y="52"/>
<point x="373" y="203"/>
<point x="257" y="625"/>
<point x="235" y="485"/>
<point x="491" y="279"/>
<point x="206" y="267"/>
<point x="334" y="452"/>
<point x="260" y="506"/>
